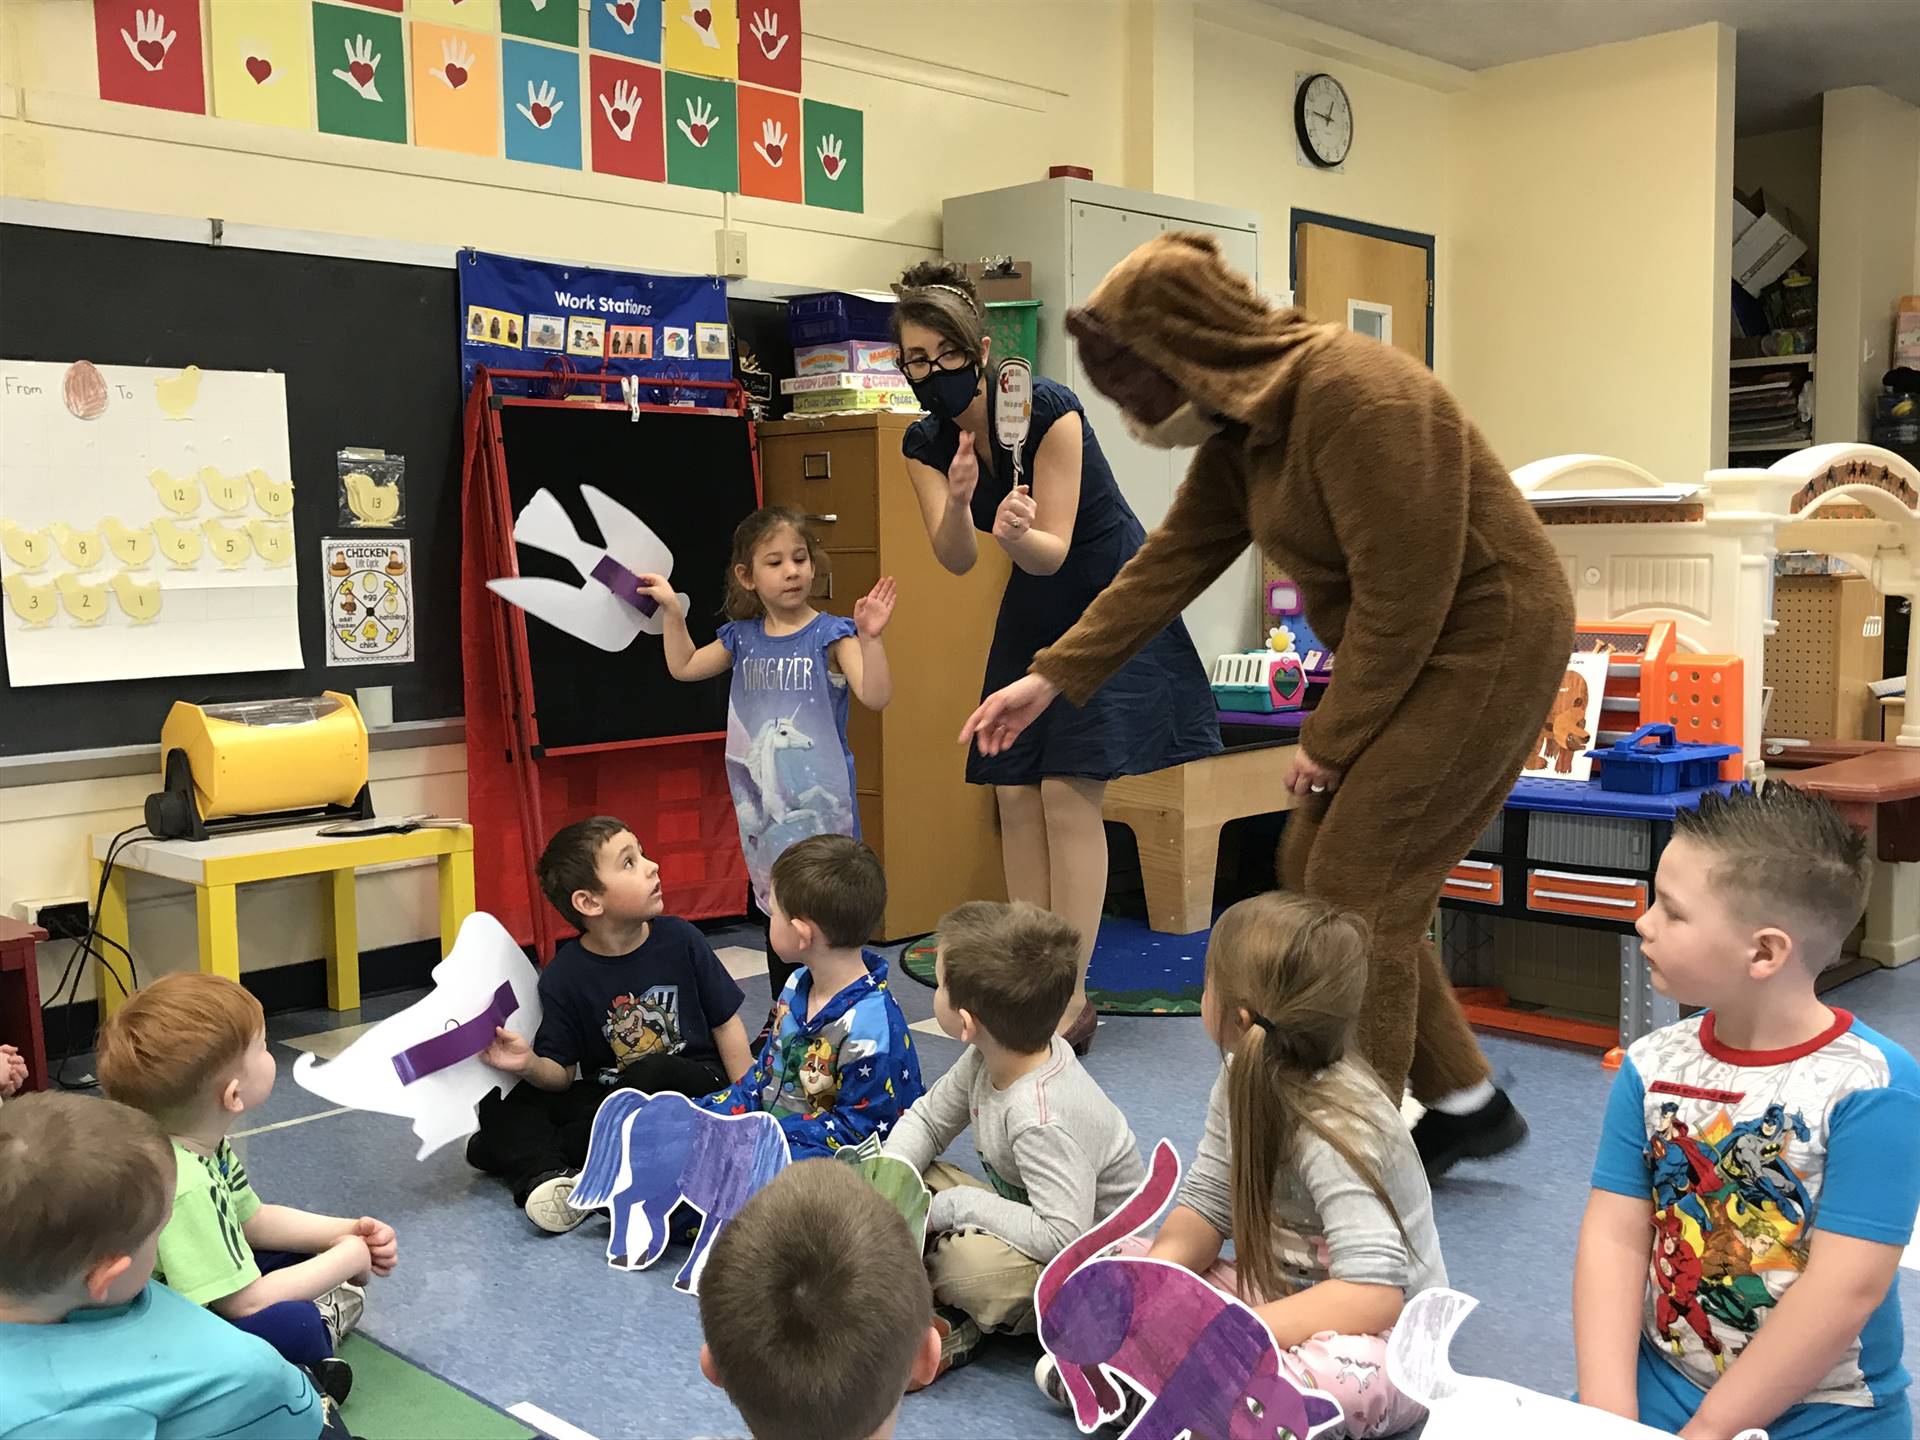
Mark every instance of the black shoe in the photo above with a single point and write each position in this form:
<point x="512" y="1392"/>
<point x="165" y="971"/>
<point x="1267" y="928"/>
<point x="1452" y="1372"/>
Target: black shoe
<point x="333" y="1378"/>
<point x="1445" y="1140"/>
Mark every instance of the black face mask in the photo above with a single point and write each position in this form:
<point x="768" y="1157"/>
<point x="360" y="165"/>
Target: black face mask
<point x="946" y="394"/>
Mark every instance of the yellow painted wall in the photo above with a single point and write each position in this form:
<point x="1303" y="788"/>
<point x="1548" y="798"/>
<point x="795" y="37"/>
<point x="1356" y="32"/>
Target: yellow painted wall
<point x="1786" y="164"/>
<point x="1587" y="269"/>
<point x="1870" y="151"/>
<point x="1245" y="61"/>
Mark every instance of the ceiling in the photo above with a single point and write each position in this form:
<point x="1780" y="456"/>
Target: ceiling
<point x="1789" y="51"/>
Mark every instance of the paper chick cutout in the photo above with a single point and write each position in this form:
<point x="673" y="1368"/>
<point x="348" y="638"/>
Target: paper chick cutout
<point x="1472" y="1407"/>
<point x="370" y="1074"/>
<point x="649" y="1154"/>
<point x="596" y="610"/>
<point x="1202" y="1358"/>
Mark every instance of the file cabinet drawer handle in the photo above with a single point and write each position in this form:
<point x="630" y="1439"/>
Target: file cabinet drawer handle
<point x="816" y="465"/>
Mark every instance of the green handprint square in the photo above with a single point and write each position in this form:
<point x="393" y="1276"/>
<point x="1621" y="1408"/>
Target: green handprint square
<point x="835" y="156"/>
<point x="703" y="141"/>
<point x="555" y="21"/>
<point x="360" y="72"/>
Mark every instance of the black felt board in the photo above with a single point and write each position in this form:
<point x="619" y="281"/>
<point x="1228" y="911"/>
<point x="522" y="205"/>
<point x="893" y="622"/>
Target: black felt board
<point x="370" y="352"/>
<point x="690" y="476"/>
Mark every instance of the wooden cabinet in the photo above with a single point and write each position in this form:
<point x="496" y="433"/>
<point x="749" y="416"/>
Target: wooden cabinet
<point x="936" y="834"/>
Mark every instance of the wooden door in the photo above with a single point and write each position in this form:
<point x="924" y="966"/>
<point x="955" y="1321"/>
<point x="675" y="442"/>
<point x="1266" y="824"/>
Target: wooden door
<point x="1367" y="283"/>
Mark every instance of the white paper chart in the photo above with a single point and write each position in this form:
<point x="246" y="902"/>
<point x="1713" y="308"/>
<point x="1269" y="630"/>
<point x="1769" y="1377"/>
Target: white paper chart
<point x="146" y="522"/>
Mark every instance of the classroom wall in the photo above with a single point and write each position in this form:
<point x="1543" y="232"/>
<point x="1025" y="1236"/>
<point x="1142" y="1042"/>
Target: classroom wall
<point x="1246" y="58"/>
<point x="1870" y="163"/>
<point x="1587" y="272"/>
<point x="1786" y="164"/>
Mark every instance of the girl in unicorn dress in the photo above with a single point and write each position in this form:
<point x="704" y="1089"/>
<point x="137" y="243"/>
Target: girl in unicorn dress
<point x="793" y="667"/>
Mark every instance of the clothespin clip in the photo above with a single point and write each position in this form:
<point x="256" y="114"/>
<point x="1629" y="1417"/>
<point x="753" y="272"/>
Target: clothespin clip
<point x="630" y="392"/>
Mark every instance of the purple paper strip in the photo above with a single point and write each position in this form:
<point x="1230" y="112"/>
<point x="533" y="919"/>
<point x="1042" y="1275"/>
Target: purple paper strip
<point x="462" y="1042"/>
<point x="624" y="583"/>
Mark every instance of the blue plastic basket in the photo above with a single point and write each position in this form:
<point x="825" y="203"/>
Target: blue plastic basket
<point x="833" y="318"/>
<point x="1669" y="765"/>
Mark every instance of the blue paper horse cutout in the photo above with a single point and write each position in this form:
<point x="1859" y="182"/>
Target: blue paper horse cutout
<point x="649" y="1154"/>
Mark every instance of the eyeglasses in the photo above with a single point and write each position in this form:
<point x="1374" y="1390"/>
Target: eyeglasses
<point x="947" y="359"/>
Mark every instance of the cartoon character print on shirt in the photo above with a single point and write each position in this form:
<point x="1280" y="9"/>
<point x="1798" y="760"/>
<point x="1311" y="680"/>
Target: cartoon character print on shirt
<point x="819" y="1080"/>
<point x="638" y="1026"/>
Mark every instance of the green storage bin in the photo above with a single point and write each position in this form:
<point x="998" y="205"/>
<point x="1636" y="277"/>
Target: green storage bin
<point x="1015" y="328"/>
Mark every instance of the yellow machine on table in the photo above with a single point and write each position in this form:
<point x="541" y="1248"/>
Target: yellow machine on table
<point x="263" y="783"/>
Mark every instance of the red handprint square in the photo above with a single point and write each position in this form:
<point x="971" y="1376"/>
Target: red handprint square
<point x="772" y="158"/>
<point x="770" y="43"/>
<point x="150" y="53"/>
<point x="628" y="118"/>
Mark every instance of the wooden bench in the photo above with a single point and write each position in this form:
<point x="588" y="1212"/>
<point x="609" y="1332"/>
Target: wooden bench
<point x="1878" y="790"/>
<point x="1176" y="815"/>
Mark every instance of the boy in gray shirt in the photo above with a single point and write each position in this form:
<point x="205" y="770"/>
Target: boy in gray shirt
<point x="1058" y="1154"/>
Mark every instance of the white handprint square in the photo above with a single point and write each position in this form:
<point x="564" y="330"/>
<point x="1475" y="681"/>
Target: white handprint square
<point x="456" y="62"/>
<point x="699" y="122"/>
<point x="151" y="39"/>
<point x="622" y="107"/>
<point x="363" y="68"/>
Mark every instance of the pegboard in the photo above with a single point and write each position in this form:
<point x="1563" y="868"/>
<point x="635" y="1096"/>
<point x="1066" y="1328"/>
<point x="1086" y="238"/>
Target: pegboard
<point x="1819" y="658"/>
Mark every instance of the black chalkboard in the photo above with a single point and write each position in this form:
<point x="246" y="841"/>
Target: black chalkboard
<point x="689" y="476"/>
<point x="370" y="352"/>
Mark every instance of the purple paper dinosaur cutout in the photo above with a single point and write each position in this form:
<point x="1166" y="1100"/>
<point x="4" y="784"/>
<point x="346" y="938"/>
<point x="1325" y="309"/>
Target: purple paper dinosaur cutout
<point x="648" y="1154"/>
<point x="1206" y="1363"/>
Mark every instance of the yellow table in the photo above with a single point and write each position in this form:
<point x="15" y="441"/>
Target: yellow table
<point x="216" y="868"/>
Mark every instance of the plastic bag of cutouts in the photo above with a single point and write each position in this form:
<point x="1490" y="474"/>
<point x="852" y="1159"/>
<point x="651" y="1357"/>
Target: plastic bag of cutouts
<point x="373" y="489"/>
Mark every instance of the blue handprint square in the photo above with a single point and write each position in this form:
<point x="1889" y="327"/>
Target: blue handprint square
<point x="540" y="87"/>
<point x="625" y="27"/>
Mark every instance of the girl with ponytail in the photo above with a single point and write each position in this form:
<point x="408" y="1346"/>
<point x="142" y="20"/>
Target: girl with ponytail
<point x="1306" y="1164"/>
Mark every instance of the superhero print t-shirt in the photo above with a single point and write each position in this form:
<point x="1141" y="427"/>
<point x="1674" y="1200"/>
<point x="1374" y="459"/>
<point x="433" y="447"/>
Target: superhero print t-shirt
<point x="1745" y="1154"/>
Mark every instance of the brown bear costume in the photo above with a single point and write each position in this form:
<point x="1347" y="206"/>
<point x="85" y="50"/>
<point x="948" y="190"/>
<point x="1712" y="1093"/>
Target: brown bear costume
<point x="1420" y="563"/>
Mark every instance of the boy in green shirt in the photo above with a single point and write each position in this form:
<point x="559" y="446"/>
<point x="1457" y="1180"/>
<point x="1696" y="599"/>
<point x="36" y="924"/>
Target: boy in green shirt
<point x="191" y="1051"/>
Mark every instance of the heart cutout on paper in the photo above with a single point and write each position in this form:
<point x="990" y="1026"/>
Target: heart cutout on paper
<point x="362" y="73"/>
<point x="830" y="164"/>
<point x="456" y="75"/>
<point x="1289" y="682"/>
<point x="774" y="153"/>
<point x="259" y="69"/>
<point x="541" y="115"/>
<point x="152" y="51"/>
<point x="624" y="13"/>
<point x="621" y="119"/>
<point x="703" y="18"/>
<point x="699" y="133"/>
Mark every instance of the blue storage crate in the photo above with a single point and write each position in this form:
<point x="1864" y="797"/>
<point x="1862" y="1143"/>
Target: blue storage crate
<point x="833" y="318"/>
<point x="1669" y="765"/>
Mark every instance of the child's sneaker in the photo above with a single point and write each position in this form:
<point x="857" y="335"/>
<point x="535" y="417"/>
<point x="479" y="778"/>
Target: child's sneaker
<point x="546" y="1204"/>
<point x="333" y="1378"/>
<point x="340" y="1309"/>
<point x="959" y="1337"/>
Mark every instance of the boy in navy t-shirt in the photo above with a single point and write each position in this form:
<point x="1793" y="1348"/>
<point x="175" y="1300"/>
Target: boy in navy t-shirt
<point x="1759" y="1164"/>
<point x="638" y="1001"/>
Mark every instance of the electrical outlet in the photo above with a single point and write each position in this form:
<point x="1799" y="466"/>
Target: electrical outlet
<point x="63" y="919"/>
<point x="730" y="254"/>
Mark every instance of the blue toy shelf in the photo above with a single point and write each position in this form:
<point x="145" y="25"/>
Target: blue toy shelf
<point x="1668" y="765"/>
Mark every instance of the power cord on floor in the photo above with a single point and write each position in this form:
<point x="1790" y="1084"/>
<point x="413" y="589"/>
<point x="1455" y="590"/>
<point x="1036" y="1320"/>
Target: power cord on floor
<point x="86" y="947"/>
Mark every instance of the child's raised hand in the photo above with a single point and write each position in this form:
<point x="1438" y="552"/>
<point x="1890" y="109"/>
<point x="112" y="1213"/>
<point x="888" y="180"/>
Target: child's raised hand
<point x="383" y="1247"/>
<point x="508" y="1052"/>
<point x="658" y="589"/>
<point x="872" y="611"/>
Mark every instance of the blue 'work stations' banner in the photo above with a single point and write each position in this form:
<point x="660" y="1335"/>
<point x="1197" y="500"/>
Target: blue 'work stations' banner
<point x="528" y="315"/>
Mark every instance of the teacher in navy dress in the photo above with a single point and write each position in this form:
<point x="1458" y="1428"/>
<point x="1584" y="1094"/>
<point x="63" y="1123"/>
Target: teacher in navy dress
<point x="1068" y="531"/>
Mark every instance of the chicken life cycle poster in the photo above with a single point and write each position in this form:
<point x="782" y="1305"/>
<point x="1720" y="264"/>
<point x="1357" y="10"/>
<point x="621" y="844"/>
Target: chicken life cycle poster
<point x="146" y="522"/>
<point x="369" y="588"/>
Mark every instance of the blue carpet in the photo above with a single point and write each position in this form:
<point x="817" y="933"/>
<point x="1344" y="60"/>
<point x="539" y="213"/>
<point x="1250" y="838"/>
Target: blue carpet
<point x="1135" y="970"/>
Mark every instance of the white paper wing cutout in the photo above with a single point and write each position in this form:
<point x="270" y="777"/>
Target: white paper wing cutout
<point x="588" y="611"/>
<point x="441" y="1104"/>
<point x="1472" y="1407"/>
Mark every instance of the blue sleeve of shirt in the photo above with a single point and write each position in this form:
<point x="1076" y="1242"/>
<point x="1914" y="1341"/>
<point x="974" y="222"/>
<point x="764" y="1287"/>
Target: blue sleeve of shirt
<point x="879" y="1074"/>
<point x="1621" y="1164"/>
<point x="744" y="1094"/>
<point x="559" y="1039"/>
<point x="923" y="442"/>
<point x="1872" y="1184"/>
<point x="727" y="635"/>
